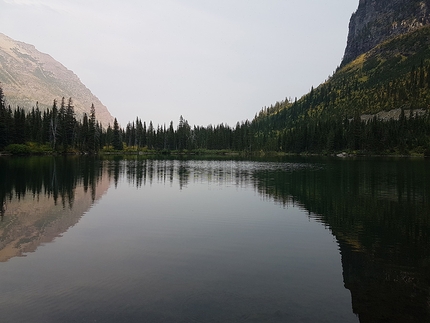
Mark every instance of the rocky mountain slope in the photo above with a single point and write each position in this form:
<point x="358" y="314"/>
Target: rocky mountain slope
<point x="386" y="67"/>
<point x="28" y="76"/>
<point x="377" y="101"/>
<point x="375" y="21"/>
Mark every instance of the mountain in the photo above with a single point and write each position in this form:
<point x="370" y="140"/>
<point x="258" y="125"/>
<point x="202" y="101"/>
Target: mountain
<point x="28" y="76"/>
<point x="386" y="65"/>
<point x="386" y="68"/>
<point x="378" y="99"/>
<point x="375" y="21"/>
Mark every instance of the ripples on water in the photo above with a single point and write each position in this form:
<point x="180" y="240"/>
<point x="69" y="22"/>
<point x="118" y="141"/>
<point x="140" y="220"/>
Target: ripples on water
<point x="141" y="240"/>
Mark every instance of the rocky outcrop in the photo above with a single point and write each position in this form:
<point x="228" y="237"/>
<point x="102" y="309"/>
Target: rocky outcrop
<point x="378" y="20"/>
<point x="28" y="76"/>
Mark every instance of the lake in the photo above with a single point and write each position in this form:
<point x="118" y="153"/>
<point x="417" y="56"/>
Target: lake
<point x="134" y="239"/>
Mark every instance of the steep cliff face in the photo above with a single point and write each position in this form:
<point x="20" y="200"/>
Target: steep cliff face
<point x="378" y="20"/>
<point x="28" y="76"/>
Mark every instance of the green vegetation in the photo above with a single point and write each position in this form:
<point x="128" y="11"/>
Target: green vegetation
<point x="393" y="75"/>
<point x="55" y="130"/>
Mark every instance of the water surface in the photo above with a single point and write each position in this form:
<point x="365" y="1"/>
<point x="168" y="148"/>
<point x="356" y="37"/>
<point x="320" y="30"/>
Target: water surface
<point x="141" y="240"/>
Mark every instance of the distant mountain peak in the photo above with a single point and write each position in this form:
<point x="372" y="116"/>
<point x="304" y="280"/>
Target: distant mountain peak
<point x="28" y="76"/>
<point x="378" y="20"/>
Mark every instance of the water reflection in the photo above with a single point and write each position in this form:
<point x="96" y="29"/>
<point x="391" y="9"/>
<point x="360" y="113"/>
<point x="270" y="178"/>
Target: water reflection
<point x="42" y="197"/>
<point x="140" y="172"/>
<point x="378" y="210"/>
<point x="3" y="210"/>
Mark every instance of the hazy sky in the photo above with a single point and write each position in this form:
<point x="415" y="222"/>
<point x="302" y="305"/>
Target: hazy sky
<point x="211" y="61"/>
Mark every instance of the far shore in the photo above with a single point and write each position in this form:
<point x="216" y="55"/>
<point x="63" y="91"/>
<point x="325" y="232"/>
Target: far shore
<point x="217" y="153"/>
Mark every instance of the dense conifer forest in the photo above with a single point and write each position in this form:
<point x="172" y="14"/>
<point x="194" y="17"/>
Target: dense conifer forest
<point x="53" y="130"/>
<point x="329" y="119"/>
<point x="58" y="130"/>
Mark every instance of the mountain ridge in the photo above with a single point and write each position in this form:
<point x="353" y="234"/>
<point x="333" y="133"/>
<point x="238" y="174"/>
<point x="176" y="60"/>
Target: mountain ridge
<point x="377" y="101"/>
<point x="392" y="74"/>
<point x="29" y="78"/>
<point x="375" y="21"/>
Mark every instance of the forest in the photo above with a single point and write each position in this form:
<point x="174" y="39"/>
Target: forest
<point x="340" y="115"/>
<point x="57" y="130"/>
<point x="327" y="120"/>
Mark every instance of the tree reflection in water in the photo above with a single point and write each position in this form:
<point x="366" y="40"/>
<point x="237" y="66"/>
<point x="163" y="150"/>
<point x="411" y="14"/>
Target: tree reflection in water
<point x="378" y="210"/>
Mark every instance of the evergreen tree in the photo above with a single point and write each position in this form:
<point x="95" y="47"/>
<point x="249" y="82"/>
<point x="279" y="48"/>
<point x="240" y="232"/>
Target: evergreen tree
<point x="140" y="142"/>
<point x="35" y="125"/>
<point x="150" y="136"/>
<point x="19" y="134"/>
<point x="69" y="125"/>
<point x="183" y="134"/>
<point x="92" y="133"/>
<point x="84" y="134"/>
<point x="116" y="139"/>
<point x="54" y="126"/>
<point x="3" y="121"/>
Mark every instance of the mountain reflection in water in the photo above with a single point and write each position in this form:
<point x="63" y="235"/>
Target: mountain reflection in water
<point x="378" y="211"/>
<point x="42" y="197"/>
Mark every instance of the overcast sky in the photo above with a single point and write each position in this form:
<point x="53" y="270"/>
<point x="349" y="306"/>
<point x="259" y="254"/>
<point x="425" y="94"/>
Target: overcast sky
<point x="212" y="61"/>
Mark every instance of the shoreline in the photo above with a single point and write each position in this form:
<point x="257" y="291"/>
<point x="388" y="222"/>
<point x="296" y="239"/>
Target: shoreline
<point x="217" y="153"/>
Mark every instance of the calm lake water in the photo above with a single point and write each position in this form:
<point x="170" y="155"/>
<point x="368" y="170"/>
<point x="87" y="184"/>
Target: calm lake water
<point x="142" y="240"/>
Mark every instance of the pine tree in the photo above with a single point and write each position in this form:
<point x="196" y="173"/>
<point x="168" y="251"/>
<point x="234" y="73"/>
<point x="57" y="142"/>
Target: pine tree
<point x="3" y="121"/>
<point x="139" y="134"/>
<point x="92" y="134"/>
<point x="20" y="135"/>
<point x="69" y="123"/>
<point x="84" y="134"/>
<point x="62" y="123"/>
<point x="116" y="140"/>
<point x="53" y="126"/>
<point x="150" y="136"/>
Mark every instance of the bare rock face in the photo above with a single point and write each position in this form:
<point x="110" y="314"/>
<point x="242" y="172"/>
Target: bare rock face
<point x="378" y="20"/>
<point x="28" y="76"/>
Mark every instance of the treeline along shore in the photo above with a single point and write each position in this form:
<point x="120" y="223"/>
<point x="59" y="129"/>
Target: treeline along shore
<point x="58" y="130"/>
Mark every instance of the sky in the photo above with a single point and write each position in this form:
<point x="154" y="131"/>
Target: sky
<point x="211" y="61"/>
